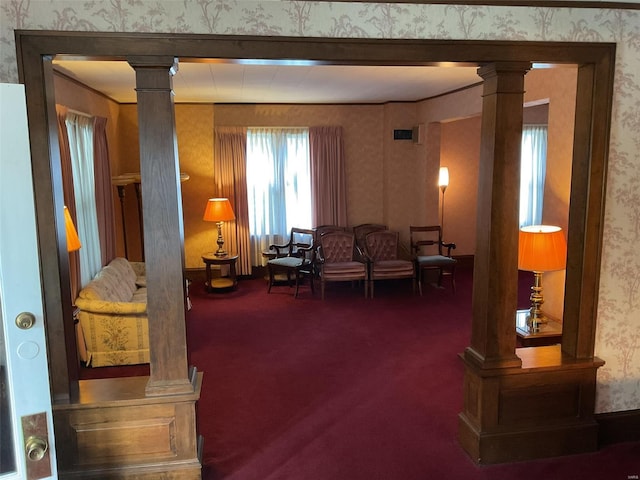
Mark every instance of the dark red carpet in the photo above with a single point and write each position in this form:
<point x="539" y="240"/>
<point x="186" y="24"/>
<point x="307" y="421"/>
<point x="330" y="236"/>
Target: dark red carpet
<point x="347" y="388"/>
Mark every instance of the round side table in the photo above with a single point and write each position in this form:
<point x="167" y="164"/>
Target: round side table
<point x="228" y="282"/>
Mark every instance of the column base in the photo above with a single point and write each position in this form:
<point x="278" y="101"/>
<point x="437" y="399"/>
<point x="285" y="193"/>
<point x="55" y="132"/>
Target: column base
<point x="116" y="431"/>
<point x="543" y="409"/>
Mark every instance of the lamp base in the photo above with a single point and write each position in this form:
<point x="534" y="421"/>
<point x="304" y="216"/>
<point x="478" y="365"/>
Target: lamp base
<point x="536" y="317"/>
<point x="220" y="252"/>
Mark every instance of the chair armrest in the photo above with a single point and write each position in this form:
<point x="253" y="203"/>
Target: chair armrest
<point x="116" y="308"/>
<point x="449" y="247"/>
<point x="359" y="254"/>
<point x="278" y="249"/>
<point x="404" y="252"/>
<point x="139" y="268"/>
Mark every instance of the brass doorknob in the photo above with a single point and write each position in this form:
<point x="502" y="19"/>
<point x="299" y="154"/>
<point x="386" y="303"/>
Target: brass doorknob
<point x="25" y="320"/>
<point x="36" y="448"/>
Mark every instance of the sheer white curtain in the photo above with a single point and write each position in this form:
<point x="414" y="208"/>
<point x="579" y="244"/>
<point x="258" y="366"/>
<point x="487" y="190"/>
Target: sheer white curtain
<point x="80" y="133"/>
<point x="533" y="166"/>
<point x="278" y="185"/>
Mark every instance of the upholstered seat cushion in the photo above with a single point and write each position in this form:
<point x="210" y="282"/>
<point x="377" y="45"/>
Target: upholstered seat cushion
<point x="392" y="268"/>
<point x="344" y="268"/>
<point x="435" y="260"/>
<point x="289" y="262"/>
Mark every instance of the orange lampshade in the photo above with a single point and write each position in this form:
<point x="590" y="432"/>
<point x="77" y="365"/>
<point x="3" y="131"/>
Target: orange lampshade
<point x="73" y="242"/>
<point x="542" y="248"/>
<point x="218" y="210"/>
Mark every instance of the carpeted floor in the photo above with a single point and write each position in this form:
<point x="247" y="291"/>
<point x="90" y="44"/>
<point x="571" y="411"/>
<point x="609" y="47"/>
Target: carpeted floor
<point x="347" y="388"/>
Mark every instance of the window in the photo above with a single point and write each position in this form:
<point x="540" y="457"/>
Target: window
<point x="533" y="166"/>
<point x="278" y="183"/>
<point x="81" y="145"/>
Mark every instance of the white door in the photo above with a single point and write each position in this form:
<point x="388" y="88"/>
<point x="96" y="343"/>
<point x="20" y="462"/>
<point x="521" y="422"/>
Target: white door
<point x="26" y="425"/>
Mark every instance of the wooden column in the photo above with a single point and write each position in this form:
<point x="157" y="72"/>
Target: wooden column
<point x="163" y="228"/>
<point x="531" y="402"/>
<point x="495" y="286"/>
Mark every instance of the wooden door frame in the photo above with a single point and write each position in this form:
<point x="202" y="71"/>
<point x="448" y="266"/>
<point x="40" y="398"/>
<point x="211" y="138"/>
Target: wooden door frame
<point x="595" y="62"/>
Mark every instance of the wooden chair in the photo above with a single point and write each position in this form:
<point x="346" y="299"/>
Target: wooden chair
<point x="294" y="258"/>
<point x="339" y="260"/>
<point x="382" y="251"/>
<point x="427" y="249"/>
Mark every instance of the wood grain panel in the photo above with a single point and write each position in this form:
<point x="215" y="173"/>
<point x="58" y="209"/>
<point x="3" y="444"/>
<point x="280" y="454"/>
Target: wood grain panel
<point x="548" y="402"/>
<point x="153" y="437"/>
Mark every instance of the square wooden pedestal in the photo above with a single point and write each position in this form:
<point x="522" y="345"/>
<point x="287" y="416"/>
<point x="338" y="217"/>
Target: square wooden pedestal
<point x="115" y="431"/>
<point x="543" y="409"/>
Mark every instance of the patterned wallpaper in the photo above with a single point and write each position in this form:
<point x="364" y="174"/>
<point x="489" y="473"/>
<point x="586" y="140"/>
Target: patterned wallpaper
<point x="618" y="337"/>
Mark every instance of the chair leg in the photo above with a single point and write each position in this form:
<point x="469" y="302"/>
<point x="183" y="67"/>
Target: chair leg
<point x="453" y="279"/>
<point x="312" y="282"/>
<point x="371" y="288"/>
<point x="420" y="273"/>
<point x="322" y="288"/>
<point x="295" y="295"/>
<point x="270" y="278"/>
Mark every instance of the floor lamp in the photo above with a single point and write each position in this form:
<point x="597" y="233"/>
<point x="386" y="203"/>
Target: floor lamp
<point x="137" y="185"/>
<point x="443" y="183"/>
<point x="121" y="181"/>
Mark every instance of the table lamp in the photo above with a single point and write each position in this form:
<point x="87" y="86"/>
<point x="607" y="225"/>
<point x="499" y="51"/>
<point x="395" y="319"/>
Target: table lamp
<point x="219" y="210"/>
<point x="541" y="248"/>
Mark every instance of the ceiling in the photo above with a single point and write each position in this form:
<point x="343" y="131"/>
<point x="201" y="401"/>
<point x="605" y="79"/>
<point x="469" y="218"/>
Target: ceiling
<point x="255" y="82"/>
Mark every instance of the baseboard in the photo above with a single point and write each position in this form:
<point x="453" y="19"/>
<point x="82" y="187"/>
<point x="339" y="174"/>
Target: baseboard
<point x="464" y="261"/>
<point x="618" y="427"/>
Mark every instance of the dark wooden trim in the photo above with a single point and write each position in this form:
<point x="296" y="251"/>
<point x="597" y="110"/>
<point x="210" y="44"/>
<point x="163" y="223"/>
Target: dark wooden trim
<point x="329" y="51"/>
<point x="586" y="212"/>
<point x="37" y="77"/>
<point x="512" y="3"/>
<point x="618" y="427"/>
<point x="464" y="261"/>
<point x="593" y="113"/>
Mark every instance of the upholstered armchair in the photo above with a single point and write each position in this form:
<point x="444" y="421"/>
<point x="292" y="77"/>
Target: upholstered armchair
<point x="428" y="253"/>
<point x="296" y="257"/>
<point x="339" y="260"/>
<point x="361" y="231"/>
<point x="322" y="229"/>
<point x="385" y="263"/>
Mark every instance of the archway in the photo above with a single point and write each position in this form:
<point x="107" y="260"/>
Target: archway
<point x="594" y="94"/>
